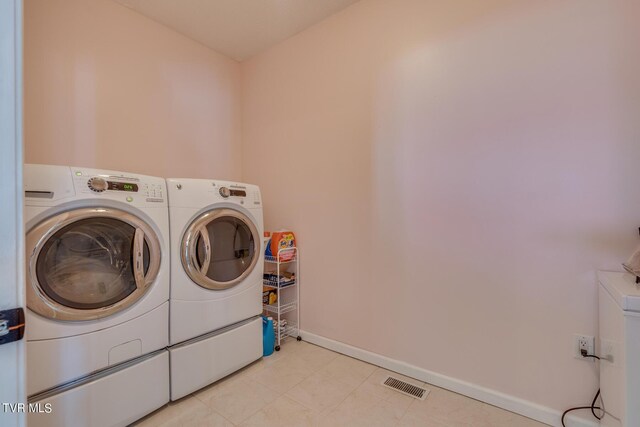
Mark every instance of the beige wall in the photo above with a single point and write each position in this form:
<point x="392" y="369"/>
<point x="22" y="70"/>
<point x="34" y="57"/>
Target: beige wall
<point x="456" y="172"/>
<point x="106" y="87"/>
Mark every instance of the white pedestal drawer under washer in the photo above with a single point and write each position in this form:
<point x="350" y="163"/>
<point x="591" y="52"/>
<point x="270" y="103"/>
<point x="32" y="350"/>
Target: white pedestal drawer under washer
<point x="216" y="279"/>
<point x="97" y="271"/>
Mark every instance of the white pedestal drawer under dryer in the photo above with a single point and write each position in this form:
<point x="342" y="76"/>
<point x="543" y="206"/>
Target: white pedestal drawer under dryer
<point x="216" y="280"/>
<point x="97" y="278"/>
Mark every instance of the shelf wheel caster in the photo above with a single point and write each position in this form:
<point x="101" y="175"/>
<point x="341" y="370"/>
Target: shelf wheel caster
<point x="277" y="348"/>
<point x="299" y="338"/>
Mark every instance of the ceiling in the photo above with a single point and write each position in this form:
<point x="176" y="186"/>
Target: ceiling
<point x="237" y="28"/>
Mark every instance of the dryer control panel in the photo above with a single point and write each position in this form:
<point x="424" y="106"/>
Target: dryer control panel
<point x="232" y="192"/>
<point x="244" y="194"/>
<point x="188" y="192"/>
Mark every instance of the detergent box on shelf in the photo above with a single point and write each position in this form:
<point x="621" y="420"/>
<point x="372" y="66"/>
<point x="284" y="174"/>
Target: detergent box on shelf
<point x="281" y="240"/>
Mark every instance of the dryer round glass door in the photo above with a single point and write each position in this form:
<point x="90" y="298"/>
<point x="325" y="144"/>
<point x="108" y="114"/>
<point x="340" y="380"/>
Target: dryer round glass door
<point x="90" y="263"/>
<point x="220" y="249"/>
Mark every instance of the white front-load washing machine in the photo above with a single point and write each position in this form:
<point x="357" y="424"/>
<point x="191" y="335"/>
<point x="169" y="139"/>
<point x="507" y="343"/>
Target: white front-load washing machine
<point x="216" y="280"/>
<point x="97" y="273"/>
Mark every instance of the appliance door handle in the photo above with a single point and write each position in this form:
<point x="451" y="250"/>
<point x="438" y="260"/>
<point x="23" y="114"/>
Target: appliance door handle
<point x="138" y="258"/>
<point x="204" y="235"/>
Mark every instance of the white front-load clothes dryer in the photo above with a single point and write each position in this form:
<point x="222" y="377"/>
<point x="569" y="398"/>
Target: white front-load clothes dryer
<point x="97" y="280"/>
<point x="216" y="280"/>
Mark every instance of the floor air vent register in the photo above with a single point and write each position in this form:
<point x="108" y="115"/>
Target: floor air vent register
<point x="406" y="388"/>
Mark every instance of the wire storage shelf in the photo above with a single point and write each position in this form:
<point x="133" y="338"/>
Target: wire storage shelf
<point x="281" y="259"/>
<point x="281" y="274"/>
<point x="274" y="284"/>
<point x="291" y="330"/>
<point x="280" y="279"/>
<point x="284" y="308"/>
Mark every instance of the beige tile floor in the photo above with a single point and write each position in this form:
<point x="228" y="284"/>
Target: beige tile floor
<point x="307" y="385"/>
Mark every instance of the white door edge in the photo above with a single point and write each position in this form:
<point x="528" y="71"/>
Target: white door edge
<point x="12" y="355"/>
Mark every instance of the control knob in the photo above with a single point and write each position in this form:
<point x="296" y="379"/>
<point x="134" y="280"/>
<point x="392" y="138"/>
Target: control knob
<point x="98" y="184"/>
<point x="225" y="192"/>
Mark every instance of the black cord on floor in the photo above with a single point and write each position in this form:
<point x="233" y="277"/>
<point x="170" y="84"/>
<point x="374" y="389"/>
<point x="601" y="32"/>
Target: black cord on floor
<point x="564" y="414"/>
<point x="593" y="406"/>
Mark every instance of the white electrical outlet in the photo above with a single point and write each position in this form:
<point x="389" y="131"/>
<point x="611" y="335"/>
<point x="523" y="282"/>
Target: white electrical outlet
<point x="583" y="342"/>
<point x="608" y="350"/>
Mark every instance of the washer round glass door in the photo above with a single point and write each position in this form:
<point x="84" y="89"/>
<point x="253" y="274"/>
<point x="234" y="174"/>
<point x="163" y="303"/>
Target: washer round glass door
<point x="89" y="263"/>
<point x="220" y="249"/>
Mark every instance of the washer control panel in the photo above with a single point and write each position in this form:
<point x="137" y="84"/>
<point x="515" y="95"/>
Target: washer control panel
<point x="97" y="184"/>
<point x="153" y="191"/>
<point x="129" y="188"/>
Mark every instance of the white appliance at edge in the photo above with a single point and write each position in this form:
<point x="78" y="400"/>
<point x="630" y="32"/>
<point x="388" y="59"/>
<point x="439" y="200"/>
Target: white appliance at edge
<point x="97" y="273"/>
<point x="619" y="317"/>
<point x="216" y="280"/>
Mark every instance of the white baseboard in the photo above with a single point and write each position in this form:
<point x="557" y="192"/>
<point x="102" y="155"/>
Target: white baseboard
<point x="510" y="403"/>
